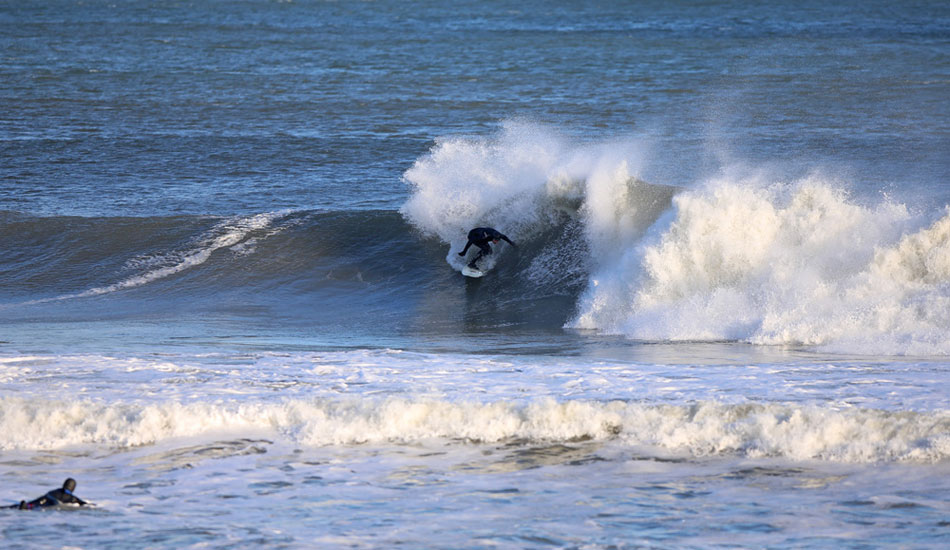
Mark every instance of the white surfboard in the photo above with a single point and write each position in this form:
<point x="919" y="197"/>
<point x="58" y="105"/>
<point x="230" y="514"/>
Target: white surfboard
<point x="474" y="273"/>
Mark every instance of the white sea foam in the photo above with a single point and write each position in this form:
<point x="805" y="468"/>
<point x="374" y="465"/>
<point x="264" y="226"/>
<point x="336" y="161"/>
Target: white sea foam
<point x="799" y="263"/>
<point x="231" y="233"/>
<point x="522" y="182"/>
<point x="467" y="182"/>
<point x="700" y="429"/>
<point x="737" y="258"/>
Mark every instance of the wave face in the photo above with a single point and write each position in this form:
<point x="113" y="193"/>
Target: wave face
<point x="747" y="259"/>
<point x="363" y="270"/>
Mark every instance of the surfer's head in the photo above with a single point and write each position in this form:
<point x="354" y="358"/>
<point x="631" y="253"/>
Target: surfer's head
<point x="69" y="484"/>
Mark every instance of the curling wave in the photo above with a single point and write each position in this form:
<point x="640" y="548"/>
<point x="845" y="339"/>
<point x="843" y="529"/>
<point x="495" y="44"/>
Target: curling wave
<point x="744" y="259"/>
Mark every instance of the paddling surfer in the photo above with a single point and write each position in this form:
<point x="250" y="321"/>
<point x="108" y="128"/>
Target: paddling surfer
<point x="54" y="498"/>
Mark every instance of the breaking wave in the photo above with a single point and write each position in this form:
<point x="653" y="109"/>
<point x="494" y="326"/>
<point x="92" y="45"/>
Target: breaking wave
<point x="798" y="264"/>
<point x="698" y="430"/>
<point x="746" y="259"/>
<point x="749" y="259"/>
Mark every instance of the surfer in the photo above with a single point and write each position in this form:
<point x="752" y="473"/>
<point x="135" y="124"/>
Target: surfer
<point x="480" y="237"/>
<point x="54" y="497"/>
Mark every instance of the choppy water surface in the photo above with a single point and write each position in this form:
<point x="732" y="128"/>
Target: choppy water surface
<point x="231" y="307"/>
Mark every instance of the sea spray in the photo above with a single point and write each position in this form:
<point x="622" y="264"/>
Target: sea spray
<point x="769" y="263"/>
<point x="529" y="181"/>
<point x="747" y="259"/>
<point x="470" y="182"/>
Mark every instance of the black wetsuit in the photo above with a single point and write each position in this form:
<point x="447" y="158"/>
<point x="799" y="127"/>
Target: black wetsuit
<point x="52" y="498"/>
<point x="480" y="237"/>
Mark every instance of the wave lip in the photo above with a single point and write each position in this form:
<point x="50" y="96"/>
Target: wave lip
<point x="702" y="429"/>
<point x="573" y="203"/>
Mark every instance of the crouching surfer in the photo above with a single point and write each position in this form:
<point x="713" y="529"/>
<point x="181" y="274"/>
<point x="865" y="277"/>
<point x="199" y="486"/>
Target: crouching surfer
<point x="54" y="498"/>
<point x="480" y="237"/>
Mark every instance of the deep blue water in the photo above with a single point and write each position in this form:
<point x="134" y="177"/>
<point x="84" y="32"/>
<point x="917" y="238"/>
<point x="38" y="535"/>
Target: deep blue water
<point x="155" y="108"/>
<point x="230" y="302"/>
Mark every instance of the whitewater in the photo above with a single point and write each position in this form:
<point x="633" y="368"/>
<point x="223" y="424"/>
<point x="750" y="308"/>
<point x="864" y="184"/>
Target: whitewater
<point x="231" y="305"/>
<point x="347" y="398"/>
<point x="738" y="257"/>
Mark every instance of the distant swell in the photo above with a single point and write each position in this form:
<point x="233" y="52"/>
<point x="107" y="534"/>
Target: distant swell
<point x="698" y="430"/>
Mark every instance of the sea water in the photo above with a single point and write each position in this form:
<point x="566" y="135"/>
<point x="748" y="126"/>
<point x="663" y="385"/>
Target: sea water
<point x="231" y="306"/>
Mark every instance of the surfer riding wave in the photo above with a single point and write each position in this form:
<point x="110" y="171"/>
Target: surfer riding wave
<point x="480" y="237"/>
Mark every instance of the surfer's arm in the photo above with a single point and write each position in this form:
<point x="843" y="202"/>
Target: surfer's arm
<point x="507" y="240"/>
<point x="464" y="250"/>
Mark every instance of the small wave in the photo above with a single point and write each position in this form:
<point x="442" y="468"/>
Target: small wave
<point x="699" y="430"/>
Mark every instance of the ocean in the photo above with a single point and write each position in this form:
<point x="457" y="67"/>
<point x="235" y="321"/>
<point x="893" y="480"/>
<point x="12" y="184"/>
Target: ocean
<point x="231" y="304"/>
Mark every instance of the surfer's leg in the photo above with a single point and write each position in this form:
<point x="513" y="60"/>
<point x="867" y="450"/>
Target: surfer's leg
<point x="483" y="250"/>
